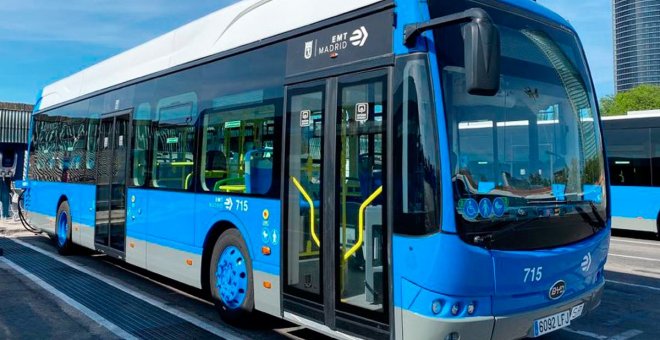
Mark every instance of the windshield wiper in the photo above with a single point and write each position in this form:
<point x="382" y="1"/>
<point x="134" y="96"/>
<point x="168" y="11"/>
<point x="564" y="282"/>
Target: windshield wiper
<point x="595" y="224"/>
<point x="497" y="235"/>
<point x="543" y="201"/>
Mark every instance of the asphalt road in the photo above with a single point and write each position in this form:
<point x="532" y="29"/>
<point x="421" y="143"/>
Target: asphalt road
<point x="629" y="310"/>
<point x="630" y="307"/>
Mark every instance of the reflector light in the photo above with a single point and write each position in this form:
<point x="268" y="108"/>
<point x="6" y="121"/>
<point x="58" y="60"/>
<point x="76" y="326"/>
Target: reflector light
<point x="436" y="307"/>
<point x="455" y="309"/>
<point x="470" y="308"/>
<point x="265" y="250"/>
<point x="267" y="285"/>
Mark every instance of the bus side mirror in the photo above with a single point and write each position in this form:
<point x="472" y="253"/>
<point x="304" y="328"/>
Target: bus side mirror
<point x="482" y="57"/>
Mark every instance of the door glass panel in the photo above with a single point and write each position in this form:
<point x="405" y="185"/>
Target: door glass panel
<point x="360" y="179"/>
<point x="118" y="198"/>
<point x="305" y="133"/>
<point x="103" y="180"/>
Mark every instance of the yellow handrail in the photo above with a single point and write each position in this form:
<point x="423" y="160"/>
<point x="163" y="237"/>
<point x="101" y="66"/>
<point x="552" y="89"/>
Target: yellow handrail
<point x="183" y="163"/>
<point x="363" y="207"/>
<point x="311" y="210"/>
<point x="185" y="184"/>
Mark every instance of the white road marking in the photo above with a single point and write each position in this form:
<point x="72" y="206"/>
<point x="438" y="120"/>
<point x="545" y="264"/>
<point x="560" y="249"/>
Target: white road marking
<point x="71" y="302"/>
<point x="634" y="285"/>
<point x="585" y="333"/>
<point x="622" y="336"/>
<point x="634" y="257"/>
<point x="172" y="310"/>
<point x="657" y="244"/>
<point x="627" y="334"/>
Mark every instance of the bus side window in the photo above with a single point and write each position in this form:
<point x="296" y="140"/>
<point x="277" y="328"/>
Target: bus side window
<point x="238" y="149"/>
<point x="416" y="156"/>
<point x="655" y="156"/>
<point x="174" y="142"/>
<point x="629" y="157"/>
<point x="142" y="137"/>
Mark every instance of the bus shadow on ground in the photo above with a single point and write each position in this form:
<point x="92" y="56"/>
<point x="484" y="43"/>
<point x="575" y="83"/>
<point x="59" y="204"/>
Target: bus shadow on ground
<point x="189" y="299"/>
<point x="635" y="234"/>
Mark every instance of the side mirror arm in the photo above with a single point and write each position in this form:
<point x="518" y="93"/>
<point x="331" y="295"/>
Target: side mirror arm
<point x="412" y="31"/>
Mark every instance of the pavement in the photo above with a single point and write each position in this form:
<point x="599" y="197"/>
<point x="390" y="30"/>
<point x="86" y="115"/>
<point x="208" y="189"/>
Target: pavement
<point x="629" y="309"/>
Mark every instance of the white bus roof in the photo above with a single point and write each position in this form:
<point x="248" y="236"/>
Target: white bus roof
<point x="237" y="25"/>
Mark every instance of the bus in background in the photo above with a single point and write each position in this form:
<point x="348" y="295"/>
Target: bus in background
<point x="324" y="167"/>
<point x="633" y="150"/>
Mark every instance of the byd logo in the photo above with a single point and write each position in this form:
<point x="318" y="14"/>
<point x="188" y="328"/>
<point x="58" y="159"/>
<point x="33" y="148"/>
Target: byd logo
<point x="557" y="290"/>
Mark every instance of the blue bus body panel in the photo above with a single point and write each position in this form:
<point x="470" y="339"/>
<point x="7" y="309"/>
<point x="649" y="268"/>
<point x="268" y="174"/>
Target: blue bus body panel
<point x="258" y="220"/>
<point x="635" y="202"/>
<point x="440" y="266"/>
<point x="443" y="267"/>
<point x="579" y="265"/>
<point x="43" y="197"/>
<point x="182" y="221"/>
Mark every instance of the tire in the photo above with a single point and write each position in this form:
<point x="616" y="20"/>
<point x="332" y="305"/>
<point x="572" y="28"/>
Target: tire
<point x="63" y="227"/>
<point x="231" y="281"/>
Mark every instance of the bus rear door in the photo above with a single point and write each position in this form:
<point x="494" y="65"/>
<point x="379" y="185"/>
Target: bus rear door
<point x="111" y="161"/>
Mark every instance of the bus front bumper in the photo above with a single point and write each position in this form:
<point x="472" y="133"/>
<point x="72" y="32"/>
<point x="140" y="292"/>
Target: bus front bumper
<point x="516" y="326"/>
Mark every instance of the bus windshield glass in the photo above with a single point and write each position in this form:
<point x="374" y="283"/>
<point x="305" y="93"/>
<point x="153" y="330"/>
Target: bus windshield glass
<point x="528" y="161"/>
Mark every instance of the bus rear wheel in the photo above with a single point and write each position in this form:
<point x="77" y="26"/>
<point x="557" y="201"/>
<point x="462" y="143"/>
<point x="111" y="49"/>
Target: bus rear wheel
<point x="63" y="228"/>
<point x="231" y="278"/>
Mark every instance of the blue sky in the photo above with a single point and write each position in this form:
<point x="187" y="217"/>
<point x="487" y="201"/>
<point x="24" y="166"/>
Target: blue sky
<point x="43" y="41"/>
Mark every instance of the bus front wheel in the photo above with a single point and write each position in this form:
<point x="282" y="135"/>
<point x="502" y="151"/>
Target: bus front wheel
<point x="231" y="278"/>
<point x="63" y="225"/>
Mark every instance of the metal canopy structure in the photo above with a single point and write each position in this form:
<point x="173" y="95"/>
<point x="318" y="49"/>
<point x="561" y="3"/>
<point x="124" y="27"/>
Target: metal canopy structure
<point x="14" y="122"/>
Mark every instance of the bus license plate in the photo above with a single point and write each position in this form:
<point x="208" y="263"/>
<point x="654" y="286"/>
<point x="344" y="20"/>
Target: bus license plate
<point x="552" y="323"/>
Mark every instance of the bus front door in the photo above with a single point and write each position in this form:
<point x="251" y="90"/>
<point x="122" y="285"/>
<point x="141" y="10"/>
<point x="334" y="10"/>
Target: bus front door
<point x="335" y="268"/>
<point x="111" y="172"/>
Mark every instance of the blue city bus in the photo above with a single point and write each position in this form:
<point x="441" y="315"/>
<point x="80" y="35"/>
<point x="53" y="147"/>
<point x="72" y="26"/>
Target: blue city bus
<point x="367" y="168"/>
<point x="633" y="153"/>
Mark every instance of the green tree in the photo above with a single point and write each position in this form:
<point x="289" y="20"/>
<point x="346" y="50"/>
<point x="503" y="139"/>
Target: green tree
<point x="642" y="97"/>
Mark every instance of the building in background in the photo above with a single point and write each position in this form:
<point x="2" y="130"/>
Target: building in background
<point x="636" y="43"/>
<point x="14" y="130"/>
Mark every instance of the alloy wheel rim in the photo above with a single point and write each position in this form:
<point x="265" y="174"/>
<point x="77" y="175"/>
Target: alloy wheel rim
<point x="231" y="277"/>
<point x="62" y="228"/>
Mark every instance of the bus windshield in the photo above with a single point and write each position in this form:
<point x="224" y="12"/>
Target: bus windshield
<point x="529" y="160"/>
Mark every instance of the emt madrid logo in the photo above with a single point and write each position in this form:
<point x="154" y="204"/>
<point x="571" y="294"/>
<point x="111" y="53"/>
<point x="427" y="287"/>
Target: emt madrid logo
<point x="338" y="42"/>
